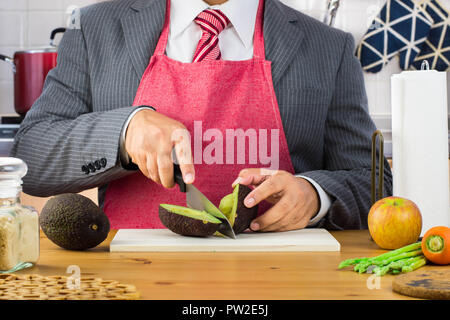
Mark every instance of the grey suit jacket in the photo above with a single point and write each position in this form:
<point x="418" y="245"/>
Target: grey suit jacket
<point x="87" y="98"/>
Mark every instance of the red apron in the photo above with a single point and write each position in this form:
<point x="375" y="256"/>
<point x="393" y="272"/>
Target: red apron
<point x="214" y="100"/>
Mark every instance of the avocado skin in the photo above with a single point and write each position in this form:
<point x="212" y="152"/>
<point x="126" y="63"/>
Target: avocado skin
<point x="186" y="226"/>
<point x="67" y="221"/>
<point x="244" y="215"/>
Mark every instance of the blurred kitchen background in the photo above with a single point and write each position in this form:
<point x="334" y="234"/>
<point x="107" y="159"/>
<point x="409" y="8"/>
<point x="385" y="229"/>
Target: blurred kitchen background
<point x="26" y="24"/>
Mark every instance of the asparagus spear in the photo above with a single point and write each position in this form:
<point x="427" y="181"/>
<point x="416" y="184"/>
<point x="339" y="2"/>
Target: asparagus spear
<point x="362" y="266"/>
<point x="391" y="260"/>
<point x="381" y="271"/>
<point x="351" y="262"/>
<point x="378" y="259"/>
<point x="402" y="256"/>
<point x="396" y="265"/>
<point x="415" y="265"/>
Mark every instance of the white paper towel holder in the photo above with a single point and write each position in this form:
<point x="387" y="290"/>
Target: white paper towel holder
<point x="406" y="175"/>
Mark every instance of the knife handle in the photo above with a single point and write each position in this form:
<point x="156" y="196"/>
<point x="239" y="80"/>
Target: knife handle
<point x="178" y="177"/>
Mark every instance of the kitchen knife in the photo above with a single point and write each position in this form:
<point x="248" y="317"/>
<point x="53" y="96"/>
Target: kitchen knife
<point x="197" y="200"/>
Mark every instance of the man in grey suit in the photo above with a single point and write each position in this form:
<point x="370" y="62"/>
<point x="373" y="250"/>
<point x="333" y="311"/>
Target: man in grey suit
<point x="83" y="133"/>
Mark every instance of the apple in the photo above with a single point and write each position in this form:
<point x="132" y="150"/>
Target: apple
<point x="394" y="222"/>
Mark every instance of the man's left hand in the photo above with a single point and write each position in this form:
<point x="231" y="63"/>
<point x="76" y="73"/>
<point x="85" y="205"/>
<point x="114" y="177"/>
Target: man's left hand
<point x="295" y="201"/>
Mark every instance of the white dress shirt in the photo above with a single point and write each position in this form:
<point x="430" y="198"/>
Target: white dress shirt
<point x="235" y="43"/>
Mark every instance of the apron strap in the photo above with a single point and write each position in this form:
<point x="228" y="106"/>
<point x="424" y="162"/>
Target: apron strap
<point x="163" y="39"/>
<point x="258" y="38"/>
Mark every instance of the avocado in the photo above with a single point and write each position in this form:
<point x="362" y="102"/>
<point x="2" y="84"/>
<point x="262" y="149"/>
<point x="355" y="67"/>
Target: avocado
<point x="232" y="206"/>
<point x="187" y="221"/>
<point x="191" y="222"/>
<point x="74" y="222"/>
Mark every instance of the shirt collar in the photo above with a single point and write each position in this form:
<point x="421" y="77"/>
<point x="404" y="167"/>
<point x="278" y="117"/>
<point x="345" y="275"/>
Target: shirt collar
<point x="241" y="13"/>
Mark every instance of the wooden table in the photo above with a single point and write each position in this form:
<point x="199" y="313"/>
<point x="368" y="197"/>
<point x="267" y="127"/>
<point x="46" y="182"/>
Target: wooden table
<point x="223" y="275"/>
<point x="286" y="276"/>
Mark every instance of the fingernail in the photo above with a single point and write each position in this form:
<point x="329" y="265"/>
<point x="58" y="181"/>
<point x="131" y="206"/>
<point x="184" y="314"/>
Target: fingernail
<point x="249" y="202"/>
<point x="188" y="178"/>
<point x="254" y="226"/>
<point x="237" y="181"/>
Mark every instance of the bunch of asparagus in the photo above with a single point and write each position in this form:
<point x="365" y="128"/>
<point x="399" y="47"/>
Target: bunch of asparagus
<point x="405" y="259"/>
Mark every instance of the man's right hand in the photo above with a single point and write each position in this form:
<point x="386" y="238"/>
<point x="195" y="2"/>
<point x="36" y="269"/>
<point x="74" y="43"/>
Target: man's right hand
<point x="149" y="141"/>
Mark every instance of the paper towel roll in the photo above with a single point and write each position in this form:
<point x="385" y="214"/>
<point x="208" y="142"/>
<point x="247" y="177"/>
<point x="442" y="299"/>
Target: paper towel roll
<point x="420" y="143"/>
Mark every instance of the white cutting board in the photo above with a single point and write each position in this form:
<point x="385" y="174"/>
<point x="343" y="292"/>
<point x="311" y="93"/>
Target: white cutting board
<point x="163" y="240"/>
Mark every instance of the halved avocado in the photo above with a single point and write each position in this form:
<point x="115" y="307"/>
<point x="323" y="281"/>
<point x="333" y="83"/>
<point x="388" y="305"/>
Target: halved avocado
<point x="187" y="221"/>
<point x="232" y="206"/>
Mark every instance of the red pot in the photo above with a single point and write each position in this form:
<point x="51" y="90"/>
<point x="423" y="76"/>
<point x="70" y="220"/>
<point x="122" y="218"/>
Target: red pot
<point x="30" y="69"/>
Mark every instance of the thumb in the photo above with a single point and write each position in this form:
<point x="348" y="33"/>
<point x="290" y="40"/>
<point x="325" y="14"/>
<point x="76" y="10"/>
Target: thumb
<point x="253" y="176"/>
<point x="250" y="180"/>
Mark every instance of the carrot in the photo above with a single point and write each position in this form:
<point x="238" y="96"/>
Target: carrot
<point x="436" y="245"/>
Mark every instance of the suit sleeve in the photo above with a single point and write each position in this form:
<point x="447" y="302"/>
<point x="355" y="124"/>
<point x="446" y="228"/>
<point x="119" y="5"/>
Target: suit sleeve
<point x="61" y="135"/>
<point x="346" y="177"/>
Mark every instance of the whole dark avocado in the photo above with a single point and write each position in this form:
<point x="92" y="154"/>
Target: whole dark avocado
<point x="74" y="222"/>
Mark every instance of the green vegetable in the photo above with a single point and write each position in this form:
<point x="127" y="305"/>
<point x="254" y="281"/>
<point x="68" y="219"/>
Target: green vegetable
<point x="398" y="265"/>
<point x="381" y="271"/>
<point x="384" y="256"/>
<point x="402" y="256"/>
<point x="415" y="265"/>
<point x="404" y="259"/>
<point x="350" y="262"/>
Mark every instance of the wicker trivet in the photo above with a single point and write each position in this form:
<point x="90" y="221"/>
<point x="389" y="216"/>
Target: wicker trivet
<point x="426" y="284"/>
<point x="37" y="287"/>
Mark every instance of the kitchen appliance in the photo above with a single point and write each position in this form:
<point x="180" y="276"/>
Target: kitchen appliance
<point x="197" y="200"/>
<point x="163" y="240"/>
<point x="7" y="133"/>
<point x="9" y="126"/>
<point x="30" y="68"/>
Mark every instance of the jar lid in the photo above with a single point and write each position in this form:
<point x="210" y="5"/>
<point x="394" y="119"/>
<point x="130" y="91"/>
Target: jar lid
<point x="12" y="168"/>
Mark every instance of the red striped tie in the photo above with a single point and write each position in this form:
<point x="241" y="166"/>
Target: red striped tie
<point x="212" y="22"/>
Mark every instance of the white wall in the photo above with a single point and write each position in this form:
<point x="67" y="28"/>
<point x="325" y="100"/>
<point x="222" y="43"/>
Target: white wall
<point x="27" y="23"/>
<point x="355" y="16"/>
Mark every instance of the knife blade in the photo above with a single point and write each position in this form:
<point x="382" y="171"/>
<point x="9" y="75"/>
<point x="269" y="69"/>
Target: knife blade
<point x="195" y="199"/>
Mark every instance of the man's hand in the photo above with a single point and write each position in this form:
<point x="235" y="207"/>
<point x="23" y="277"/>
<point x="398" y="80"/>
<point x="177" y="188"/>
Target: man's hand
<point x="149" y="141"/>
<point x="295" y="199"/>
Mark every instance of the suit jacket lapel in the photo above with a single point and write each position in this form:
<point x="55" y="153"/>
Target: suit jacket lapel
<point x="142" y="26"/>
<point x="282" y="36"/>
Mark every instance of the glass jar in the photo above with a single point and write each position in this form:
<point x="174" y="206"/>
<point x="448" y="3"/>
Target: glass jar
<point x="19" y="225"/>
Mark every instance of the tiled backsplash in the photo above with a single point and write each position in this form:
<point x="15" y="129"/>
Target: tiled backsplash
<point x="28" y="23"/>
